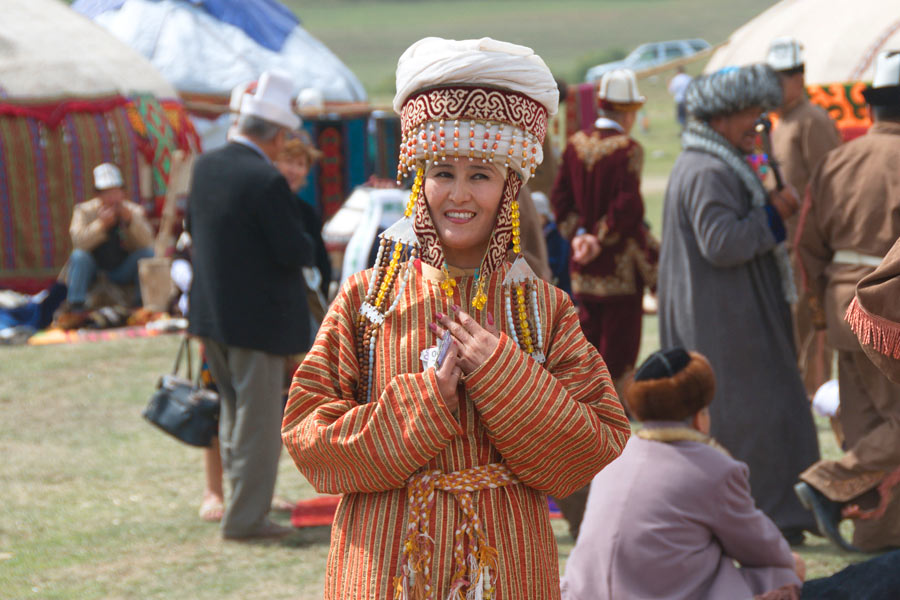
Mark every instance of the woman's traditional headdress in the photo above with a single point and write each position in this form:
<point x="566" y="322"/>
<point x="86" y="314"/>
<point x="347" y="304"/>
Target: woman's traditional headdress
<point x="474" y="99"/>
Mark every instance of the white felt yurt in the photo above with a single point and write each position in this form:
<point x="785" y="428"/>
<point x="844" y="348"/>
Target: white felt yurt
<point x="207" y="48"/>
<point x="840" y="40"/>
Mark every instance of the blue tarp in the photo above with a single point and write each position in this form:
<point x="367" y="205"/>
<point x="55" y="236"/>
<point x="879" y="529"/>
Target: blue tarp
<point x="267" y="22"/>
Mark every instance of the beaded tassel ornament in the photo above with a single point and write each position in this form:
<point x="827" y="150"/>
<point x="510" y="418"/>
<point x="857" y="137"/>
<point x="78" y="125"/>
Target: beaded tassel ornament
<point x="521" y="282"/>
<point x="396" y="245"/>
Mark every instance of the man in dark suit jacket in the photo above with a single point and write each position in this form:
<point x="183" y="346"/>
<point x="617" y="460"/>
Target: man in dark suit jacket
<point x="248" y="298"/>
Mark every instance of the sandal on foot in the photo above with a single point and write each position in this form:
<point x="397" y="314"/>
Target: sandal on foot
<point x="279" y="504"/>
<point x="212" y="510"/>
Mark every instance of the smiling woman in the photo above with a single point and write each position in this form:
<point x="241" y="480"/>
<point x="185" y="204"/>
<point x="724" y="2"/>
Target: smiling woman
<point x="463" y="198"/>
<point x="404" y="404"/>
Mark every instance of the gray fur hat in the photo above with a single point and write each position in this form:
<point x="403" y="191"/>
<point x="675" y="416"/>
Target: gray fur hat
<point x="732" y="90"/>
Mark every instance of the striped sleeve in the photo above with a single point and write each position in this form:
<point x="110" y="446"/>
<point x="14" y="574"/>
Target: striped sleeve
<point x="342" y="446"/>
<point x="556" y="427"/>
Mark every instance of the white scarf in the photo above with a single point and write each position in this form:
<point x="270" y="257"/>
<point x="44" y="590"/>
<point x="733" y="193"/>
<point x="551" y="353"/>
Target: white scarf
<point x="698" y="135"/>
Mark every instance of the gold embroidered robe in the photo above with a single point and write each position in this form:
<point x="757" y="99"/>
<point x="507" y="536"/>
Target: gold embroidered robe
<point x="598" y="188"/>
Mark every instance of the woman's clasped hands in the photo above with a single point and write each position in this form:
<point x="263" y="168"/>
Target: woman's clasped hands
<point x="470" y="347"/>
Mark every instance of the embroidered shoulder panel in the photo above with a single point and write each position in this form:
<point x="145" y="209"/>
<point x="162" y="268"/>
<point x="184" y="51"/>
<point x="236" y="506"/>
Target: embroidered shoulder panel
<point x="591" y="148"/>
<point x="623" y="282"/>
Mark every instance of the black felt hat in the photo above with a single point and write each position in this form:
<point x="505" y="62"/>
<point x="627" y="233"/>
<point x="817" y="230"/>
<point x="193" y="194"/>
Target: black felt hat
<point x="671" y="385"/>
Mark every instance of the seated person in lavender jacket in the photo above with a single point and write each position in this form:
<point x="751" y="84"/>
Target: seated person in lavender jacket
<point x="672" y="517"/>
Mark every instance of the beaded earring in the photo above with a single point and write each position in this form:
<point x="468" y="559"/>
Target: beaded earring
<point x="448" y="283"/>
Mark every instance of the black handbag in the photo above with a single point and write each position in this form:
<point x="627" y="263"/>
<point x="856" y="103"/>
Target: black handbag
<point x="183" y="409"/>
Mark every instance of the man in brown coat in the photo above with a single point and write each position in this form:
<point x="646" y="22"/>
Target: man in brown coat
<point x="802" y="137"/>
<point x="109" y="234"/>
<point x="849" y="222"/>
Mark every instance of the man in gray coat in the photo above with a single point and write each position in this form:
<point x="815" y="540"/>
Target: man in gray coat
<point x="725" y="288"/>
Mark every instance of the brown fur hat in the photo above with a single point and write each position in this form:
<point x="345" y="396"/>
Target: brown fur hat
<point x="671" y="385"/>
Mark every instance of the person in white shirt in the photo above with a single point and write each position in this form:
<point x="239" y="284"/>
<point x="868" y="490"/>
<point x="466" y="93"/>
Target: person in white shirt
<point x="677" y="87"/>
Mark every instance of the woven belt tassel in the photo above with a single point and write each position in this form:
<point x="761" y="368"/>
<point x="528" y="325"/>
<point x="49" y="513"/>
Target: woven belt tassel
<point x="473" y="570"/>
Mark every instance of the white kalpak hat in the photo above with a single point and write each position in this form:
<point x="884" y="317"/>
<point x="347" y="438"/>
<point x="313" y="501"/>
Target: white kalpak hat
<point x="785" y="54"/>
<point x="885" y="90"/>
<point x="273" y="100"/>
<point x="107" y="176"/>
<point x="311" y="99"/>
<point x="482" y="99"/>
<point x="238" y="93"/>
<point x="619" y="91"/>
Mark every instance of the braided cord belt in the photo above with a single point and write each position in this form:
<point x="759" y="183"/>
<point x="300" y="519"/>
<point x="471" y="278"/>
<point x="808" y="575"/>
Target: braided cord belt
<point x="472" y="569"/>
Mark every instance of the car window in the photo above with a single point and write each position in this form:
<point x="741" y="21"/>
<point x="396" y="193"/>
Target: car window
<point x="646" y="54"/>
<point x="698" y="45"/>
<point x="673" y="50"/>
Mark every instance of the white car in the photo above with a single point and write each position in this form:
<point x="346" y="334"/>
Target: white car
<point x="649" y="55"/>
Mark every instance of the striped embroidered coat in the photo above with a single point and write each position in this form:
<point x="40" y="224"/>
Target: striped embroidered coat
<point x="554" y="426"/>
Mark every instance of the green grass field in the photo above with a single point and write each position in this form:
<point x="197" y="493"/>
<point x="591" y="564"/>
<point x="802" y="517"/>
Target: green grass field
<point x="97" y="504"/>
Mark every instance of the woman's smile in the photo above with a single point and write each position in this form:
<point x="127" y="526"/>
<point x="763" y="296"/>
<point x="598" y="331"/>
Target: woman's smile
<point x="459" y="216"/>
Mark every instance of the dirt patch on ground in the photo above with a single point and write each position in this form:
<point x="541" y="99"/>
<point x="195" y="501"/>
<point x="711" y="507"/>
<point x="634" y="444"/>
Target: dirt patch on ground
<point x="653" y="184"/>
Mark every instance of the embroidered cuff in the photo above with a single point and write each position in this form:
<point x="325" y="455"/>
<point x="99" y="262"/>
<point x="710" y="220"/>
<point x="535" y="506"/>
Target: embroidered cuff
<point x="775" y="223"/>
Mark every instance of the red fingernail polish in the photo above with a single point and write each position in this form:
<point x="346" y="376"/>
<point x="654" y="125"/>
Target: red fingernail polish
<point x="490" y="319"/>
<point x="432" y="327"/>
<point x="455" y="307"/>
<point x="439" y="315"/>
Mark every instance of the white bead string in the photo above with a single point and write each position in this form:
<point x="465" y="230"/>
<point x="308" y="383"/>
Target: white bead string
<point x="509" y="317"/>
<point x="371" y="367"/>
<point x="404" y="279"/>
<point x="377" y="262"/>
<point x="537" y="319"/>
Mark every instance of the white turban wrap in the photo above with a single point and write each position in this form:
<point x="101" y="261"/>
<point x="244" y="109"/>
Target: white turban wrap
<point x="478" y="98"/>
<point x="434" y="61"/>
